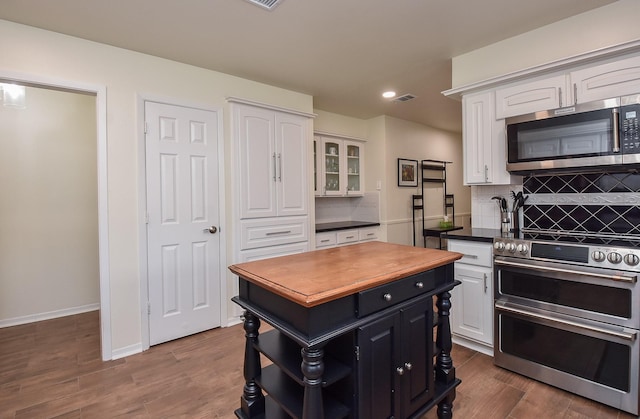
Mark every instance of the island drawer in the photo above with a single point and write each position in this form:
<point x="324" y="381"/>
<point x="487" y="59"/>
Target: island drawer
<point x="387" y="295"/>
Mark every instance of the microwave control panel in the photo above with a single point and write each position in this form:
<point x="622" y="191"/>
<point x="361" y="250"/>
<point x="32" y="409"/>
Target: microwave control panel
<point x="629" y="129"/>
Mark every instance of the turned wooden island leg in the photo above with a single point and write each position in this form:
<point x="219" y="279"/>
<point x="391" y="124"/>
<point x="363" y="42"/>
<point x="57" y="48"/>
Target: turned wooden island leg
<point x="252" y="400"/>
<point x="445" y="372"/>
<point x="312" y="368"/>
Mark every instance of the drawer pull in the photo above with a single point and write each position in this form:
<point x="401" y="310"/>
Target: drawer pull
<point x="350" y="237"/>
<point x="400" y="370"/>
<point x="371" y="234"/>
<point x="275" y="233"/>
<point x="419" y="285"/>
<point x="325" y="241"/>
<point x="408" y="366"/>
<point x="470" y="256"/>
<point x="387" y="297"/>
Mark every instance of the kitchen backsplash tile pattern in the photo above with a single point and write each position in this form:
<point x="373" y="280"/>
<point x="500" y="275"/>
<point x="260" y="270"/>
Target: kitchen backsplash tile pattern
<point x="605" y="203"/>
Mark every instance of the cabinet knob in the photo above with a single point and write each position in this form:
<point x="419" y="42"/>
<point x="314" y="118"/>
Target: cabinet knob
<point x="387" y="297"/>
<point x="408" y="366"/>
<point x="419" y="285"/>
<point x="400" y="370"/>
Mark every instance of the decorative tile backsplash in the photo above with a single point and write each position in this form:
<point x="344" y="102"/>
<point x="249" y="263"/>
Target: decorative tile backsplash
<point x="602" y="203"/>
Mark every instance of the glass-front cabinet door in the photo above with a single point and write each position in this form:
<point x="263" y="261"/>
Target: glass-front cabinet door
<point x="332" y="167"/>
<point x="354" y="167"/>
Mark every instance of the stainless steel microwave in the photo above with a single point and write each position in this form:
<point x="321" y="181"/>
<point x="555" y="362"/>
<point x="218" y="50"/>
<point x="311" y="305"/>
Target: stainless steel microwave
<point x="584" y="136"/>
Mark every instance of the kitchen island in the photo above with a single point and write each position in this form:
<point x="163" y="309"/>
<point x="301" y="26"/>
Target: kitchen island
<point x="353" y="333"/>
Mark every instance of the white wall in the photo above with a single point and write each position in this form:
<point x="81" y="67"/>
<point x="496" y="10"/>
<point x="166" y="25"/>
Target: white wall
<point x="126" y="75"/>
<point x="417" y="142"/>
<point x="49" y="209"/>
<point x="606" y="26"/>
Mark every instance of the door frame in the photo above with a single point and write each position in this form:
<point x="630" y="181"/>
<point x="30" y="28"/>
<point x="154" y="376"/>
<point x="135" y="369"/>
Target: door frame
<point x="100" y="92"/>
<point x="141" y="99"/>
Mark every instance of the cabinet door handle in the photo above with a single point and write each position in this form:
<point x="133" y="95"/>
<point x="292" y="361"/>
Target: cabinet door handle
<point x="575" y="93"/>
<point x="486" y="173"/>
<point x="485" y="283"/>
<point x="559" y="97"/>
<point x="279" y="167"/>
<point x="274" y="166"/>
<point x="408" y="366"/>
<point x="400" y="370"/>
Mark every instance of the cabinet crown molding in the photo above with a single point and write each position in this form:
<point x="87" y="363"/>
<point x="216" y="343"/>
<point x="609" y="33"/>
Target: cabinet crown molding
<point x="232" y="99"/>
<point x="547" y="68"/>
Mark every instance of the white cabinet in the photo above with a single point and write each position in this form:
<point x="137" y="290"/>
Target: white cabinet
<point x="270" y="180"/>
<point x="472" y="300"/>
<point x="272" y="150"/>
<point x="603" y="81"/>
<point x="339" y="166"/>
<point x="484" y="143"/>
<point x="328" y="239"/>
<point x="533" y="96"/>
<point x="618" y="78"/>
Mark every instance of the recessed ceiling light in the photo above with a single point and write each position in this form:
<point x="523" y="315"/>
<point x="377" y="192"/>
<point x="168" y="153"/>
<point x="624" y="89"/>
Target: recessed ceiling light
<point x="389" y="94"/>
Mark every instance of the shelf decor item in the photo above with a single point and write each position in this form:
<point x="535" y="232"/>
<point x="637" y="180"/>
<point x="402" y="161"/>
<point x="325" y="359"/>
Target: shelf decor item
<point x="408" y="173"/>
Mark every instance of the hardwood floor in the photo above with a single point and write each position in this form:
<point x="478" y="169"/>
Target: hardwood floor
<point x="52" y="369"/>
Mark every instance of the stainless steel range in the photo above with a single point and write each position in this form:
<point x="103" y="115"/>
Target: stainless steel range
<point x="567" y="313"/>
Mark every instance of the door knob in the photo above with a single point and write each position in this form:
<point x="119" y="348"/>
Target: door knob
<point x="212" y="230"/>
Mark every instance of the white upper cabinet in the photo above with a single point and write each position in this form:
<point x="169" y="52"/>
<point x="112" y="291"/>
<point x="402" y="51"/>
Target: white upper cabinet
<point x="483" y="141"/>
<point x="339" y="166"/>
<point x="604" y="81"/>
<point x="531" y="97"/>
<point x="272" y="148"/>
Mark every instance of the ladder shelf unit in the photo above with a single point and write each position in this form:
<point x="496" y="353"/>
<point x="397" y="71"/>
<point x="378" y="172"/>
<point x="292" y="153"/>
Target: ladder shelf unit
<point x="433" y="172"/>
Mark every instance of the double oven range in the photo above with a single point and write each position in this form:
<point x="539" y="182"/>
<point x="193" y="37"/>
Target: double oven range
<point x="567" y="313"/>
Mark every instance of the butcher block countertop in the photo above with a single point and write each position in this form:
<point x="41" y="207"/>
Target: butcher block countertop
<point x="316" y="277"/>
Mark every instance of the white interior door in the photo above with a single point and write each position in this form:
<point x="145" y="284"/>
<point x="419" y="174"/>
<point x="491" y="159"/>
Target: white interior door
<point x="183" y="215"/>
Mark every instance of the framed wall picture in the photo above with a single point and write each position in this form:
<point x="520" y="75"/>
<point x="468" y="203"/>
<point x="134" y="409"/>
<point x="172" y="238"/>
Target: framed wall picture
<point x="407" y="172"/>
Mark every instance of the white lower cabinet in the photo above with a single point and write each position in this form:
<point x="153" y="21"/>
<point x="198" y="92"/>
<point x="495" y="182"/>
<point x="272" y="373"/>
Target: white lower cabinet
<point x="472" y="300"/>
<point x="328" y="239"/>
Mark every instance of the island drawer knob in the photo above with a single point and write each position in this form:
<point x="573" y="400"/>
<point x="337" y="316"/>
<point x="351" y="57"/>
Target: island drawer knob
<point x="419" y="285"/>
<point x="387" y="297"/>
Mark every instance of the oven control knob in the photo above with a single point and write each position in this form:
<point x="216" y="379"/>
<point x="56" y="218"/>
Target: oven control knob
<point x="499" y="246"/>
<point x="598" y="256"/>
<point x="523" y="249"/>
<point x="631" y="259"/>
<point x="614" y="257"/>
<point x="511" y="247"/>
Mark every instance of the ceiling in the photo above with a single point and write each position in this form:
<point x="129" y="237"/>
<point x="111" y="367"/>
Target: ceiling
<point x="344" y="53"/>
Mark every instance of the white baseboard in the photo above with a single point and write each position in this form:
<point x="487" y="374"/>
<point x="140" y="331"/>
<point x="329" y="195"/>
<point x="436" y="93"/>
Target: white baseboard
<point x="15" y="321"/>
<point x="126" y="351"/>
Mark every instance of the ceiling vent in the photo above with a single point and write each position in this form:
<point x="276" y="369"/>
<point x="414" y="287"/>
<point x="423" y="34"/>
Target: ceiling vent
<point x="266" y="4"/>
<point x="405" y="98"/>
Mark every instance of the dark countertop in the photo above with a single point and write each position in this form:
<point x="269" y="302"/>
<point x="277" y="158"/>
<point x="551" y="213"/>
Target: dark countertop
<point x="343" y="225"/>
<point x="485" y="235"/>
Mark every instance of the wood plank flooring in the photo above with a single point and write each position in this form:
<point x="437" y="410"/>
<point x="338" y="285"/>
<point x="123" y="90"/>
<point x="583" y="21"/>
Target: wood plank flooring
<point x="52" y="369"/>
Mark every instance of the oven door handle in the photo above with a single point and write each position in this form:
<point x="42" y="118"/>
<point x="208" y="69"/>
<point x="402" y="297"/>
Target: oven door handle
<point x="622" y="335"/>
<point x="622" y="278"/>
